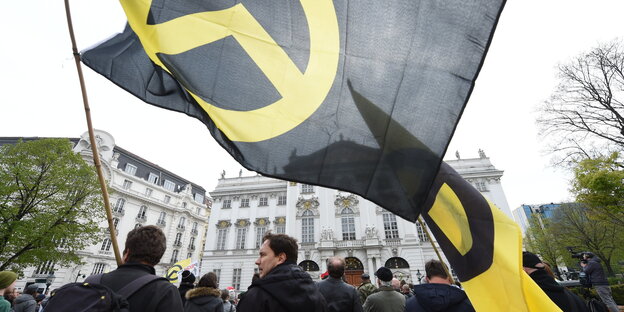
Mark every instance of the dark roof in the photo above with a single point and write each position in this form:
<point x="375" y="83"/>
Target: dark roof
<point x="144" y="167"/>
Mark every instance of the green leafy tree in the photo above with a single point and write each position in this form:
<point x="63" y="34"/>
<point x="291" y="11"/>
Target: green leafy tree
<point x="599" y="184"/>
<point x="50" y="205"/>
<point x="572" y="226"/>
<point x="541" y="240"/>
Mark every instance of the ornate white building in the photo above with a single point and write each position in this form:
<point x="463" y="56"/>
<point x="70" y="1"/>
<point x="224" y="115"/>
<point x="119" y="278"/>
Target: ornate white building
<point x="141" y="193"/>
<point x="326" y="222"/>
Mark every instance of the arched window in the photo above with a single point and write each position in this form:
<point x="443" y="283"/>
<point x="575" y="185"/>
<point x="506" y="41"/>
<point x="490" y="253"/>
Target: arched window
<point x="348" y="224"/>
<point x="397" y="263"/>
<point x="309" y="266"/>
<point x="307" y="227"/>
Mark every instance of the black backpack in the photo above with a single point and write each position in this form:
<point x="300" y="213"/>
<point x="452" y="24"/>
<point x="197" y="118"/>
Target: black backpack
<point x="90" y="295"/>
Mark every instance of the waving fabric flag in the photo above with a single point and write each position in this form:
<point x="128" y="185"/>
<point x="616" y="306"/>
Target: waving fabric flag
<point x="361" y="96"/>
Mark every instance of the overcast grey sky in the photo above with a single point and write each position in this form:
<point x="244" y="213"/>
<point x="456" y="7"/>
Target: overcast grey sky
<point x="41" y="95"/>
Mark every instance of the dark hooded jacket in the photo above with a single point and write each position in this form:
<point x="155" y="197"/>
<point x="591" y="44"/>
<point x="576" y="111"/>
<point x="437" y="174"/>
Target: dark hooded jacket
<point x="203" y="299"/>
<point x="185" y="287"/>
<point x="595" y="273"/>
<point x="563" y="298"/>
<point x="286" y="288"/>
<point x="438" y="297"/>
<point x="24" y="303"/>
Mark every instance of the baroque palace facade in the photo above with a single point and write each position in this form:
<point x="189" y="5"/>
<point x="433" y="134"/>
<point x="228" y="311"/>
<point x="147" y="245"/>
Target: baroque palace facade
<point x="326" y="222"/>
<point x="141" y="193"/>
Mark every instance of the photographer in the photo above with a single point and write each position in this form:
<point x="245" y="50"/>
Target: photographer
<point x="597" y="279"/>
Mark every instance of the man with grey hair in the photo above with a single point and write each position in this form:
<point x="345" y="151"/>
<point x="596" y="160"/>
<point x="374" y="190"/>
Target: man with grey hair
<point x="386" y="299"/>
<point x="339" y="295"/>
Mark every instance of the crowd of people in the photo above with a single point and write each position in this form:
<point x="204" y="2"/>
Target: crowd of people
<point x="280" y="285"/>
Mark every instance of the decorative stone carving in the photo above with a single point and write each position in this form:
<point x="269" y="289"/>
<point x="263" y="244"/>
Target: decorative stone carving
<point x="371" y="232"/>
<point x="351" y="201"/>
<point x="279" y="220"/>
<point x="261" y="221"/>
<point x="223" y="174"/>
<point x="242" y="223"/>
<point x="327" y="234"/>
<point x="482" y="154"/>
<point x="224" y="224"/>
<point x="379" y="210"/>
<point x="311" y="204"/>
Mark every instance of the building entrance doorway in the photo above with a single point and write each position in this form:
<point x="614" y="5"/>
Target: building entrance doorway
<point x="353" y="271"/>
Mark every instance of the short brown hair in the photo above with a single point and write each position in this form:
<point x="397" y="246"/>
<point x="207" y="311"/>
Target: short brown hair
<point x="208" y="280"/>
<point x="435" y="268"/>
<point x="146" y="244"/>
<point x="283" y="243"/>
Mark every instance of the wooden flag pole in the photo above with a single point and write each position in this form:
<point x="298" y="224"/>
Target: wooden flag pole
<point x="424" y="227"/>
<point x="96" y="155"/>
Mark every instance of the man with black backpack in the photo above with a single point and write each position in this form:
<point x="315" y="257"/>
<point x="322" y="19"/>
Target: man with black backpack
<point x="133" y="286"/>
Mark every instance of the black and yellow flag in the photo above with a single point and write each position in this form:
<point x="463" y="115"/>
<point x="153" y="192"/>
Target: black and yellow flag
<point x="357" y="95"/>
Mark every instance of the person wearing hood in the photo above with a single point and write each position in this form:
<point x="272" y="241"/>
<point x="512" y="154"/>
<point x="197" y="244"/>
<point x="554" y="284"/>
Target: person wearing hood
<point x="282" y="286"/>
<point x="438" y="294"/>
<point x="206" y="297"/>
<point x="186" y="284"/>
<point x="26" y="301"/>
<point x="563" y="298"/>
<point x="597" y="278"/>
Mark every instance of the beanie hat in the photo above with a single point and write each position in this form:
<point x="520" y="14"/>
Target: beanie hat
<point x="188" y="277"/>
<point x="384" y="274"/>
<point x="530" y="260"/>
<point x="7" y="278"/>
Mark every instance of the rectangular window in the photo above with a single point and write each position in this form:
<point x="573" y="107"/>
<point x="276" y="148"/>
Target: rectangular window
<point x="236" y="278"/>
<point x="280" y="229"/>
<point x="115" y="222"/>
<point x="106" y="245"/>
<point x="167" y="199"/>
<point x="130" y="169"/>
<point x="148" y="192"/>
<point x="241" y="234"/>
<point x="481" y="186"/>
<point x="307" y="188"/>
<point x="390" y="225"/>
<point x="227" y="203"/>
<point x="244" y="202"/>
<point x="263" y="201"/>
<point x="45" y="268"/>
<point x="221" y="239"/>
<point x="174" y="256"/>
<point x="348" y="228"/>
<point x="127" y="184"/>
<point x="281" y="200"/>
<point x="259" y="234"/>
<point x="307" y="230"/>
<point x="98" y="268"/>
<point x="169" y="185"/>
<point x="161" y="218"/>
<point x="217" y="272"/>
<point x="119" y="205"/>
<point x="152" y="178"/>
<point x="199" y="198"/>
<point x="422" y="236"/>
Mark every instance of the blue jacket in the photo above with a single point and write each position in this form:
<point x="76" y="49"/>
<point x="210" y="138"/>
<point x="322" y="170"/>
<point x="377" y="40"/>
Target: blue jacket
<point x="438" y="297"/>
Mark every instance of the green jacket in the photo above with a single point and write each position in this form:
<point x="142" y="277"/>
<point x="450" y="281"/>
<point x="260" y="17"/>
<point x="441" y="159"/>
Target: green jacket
<point x="5" y="306"/>
<point x="386" y="299"/>
<point x="365" y="290"/>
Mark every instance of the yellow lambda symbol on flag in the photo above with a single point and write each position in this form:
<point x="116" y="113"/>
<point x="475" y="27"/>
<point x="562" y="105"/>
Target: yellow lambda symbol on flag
<point x="302" y="93"/>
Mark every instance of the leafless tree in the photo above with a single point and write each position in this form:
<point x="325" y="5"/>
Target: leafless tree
<point x="584" y="116"/>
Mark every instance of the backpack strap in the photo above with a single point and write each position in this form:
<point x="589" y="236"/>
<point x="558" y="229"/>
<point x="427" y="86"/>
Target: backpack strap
<point x="137" y="284"/>
<point x="94" y="279"/>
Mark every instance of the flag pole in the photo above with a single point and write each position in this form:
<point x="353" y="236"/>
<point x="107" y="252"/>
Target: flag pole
<point x="424" y="227"/>
<point x="96" y="155"/>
